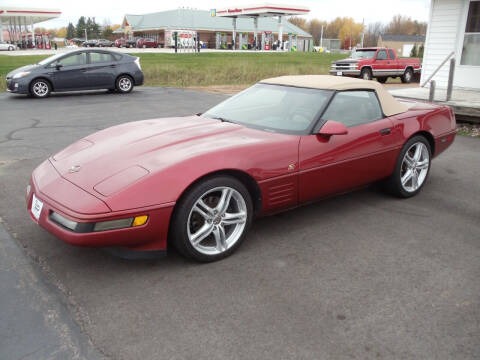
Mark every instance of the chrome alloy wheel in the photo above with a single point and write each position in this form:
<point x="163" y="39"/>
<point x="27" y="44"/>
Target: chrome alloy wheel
<point x="415" y="166"/>
<point x="125" y="84"/>
<point x="40" y="88"/>
<point x="217" y="220"/>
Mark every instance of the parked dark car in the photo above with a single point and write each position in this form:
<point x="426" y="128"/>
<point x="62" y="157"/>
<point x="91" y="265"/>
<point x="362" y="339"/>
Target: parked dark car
<point x="131" y="43"/>
<point x="77" y="70"/>
<point x="105" y="43"/>
<point x="147" y="43"/>
<point x="90" y="43"/>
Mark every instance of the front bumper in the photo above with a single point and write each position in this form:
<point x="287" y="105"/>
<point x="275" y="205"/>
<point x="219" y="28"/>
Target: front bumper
<point x="150" y="236"/>
<point x="341" y="72"/>
<point x="18" y="86"/>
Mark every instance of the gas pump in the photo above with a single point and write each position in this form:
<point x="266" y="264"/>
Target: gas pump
<point x="267" y="39"/>
<point x="221" y="40"/>
<point x="292" y="42"/>
<point x="243" y="41"/>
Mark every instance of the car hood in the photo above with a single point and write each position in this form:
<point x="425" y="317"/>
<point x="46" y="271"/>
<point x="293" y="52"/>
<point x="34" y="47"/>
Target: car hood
<point x="110" y="160"/>
<point x="346" y="61"/>
<point x="21" y="69"/>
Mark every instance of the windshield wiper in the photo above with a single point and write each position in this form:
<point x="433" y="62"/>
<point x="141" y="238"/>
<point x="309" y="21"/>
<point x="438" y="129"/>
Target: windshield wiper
<point x="222" y="119"/>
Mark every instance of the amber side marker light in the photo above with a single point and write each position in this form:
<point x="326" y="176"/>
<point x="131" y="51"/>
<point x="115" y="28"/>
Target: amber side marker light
<point x="99" y="226"/>
<point x="140" y="220"/>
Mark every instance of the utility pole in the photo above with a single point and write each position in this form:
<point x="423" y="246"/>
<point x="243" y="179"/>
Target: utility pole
<point x="363" y="31"/>
<point x="86" y="38"/>
<point x="321" y="37"/>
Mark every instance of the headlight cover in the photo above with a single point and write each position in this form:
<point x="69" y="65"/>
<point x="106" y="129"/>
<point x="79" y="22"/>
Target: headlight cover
<point x="21" y="74"/>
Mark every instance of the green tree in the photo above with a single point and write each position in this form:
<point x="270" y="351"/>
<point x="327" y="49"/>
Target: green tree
<point x="81" y="26"/>
<point x="413" y="53"/>
<point x="70" y="31"/>
<point x="420" y="51"/>
<point x="95" y="28"/>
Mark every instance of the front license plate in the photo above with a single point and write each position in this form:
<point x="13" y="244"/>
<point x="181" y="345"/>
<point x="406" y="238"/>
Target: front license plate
<point x="339" y="73"/>
<point x="37" y="206"/>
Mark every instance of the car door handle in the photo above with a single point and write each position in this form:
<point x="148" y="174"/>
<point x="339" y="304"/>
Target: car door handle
<point x="385" y="131"/>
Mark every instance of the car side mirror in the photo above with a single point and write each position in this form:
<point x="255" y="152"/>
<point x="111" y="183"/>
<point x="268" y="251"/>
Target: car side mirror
<point x="333" y="128"/>
<point x="58" y="66"/>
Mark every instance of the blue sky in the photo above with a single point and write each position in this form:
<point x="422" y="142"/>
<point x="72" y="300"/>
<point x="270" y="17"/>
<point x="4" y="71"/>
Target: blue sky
<point x="370" y="10"/>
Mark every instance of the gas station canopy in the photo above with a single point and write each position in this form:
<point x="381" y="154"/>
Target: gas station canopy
<point x="17" y="20"/>
<point x="10" y="15"/>
<point x="263" y="10"/>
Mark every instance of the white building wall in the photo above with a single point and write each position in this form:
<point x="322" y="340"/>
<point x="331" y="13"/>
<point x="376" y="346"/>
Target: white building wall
<point x="443" y="36"/>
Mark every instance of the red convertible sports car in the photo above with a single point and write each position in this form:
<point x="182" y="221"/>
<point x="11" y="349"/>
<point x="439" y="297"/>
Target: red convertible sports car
<point x="198" y="181"/>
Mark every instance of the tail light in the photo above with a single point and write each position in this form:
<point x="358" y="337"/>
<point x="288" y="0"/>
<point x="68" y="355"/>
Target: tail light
<point x="137" y="61"/>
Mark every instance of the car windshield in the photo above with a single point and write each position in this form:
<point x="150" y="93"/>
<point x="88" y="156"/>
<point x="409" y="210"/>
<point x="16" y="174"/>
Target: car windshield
<point x="50" y="59"/>
<point x="363" y="54"/>
<point x="275" y="108"/>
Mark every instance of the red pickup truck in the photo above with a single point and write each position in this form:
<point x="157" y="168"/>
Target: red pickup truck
<point x="380" y="63"/>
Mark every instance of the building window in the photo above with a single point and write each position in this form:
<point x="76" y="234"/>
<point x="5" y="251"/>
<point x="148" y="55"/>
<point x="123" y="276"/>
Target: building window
<point x="471" y="41"/>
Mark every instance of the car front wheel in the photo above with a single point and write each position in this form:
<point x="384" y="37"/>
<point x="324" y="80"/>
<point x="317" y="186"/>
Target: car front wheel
<point x="412" y="168"/>
<point x="124" y="84"/>
<point x="407" y="76"/>
<point x="366" y="74"/>
<point x="212" y="219"/>
<point x="40" y="88"/>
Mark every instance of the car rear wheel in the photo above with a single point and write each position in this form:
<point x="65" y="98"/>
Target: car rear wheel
<point x="10" y="48"/>
<point x="40" y="88"/>
<point x="212" y="219"/>
<point x="124" y="84"/>
<point x="366" y="74"/>
<point x="412" y="168"/>
<point x="407" y="76"/>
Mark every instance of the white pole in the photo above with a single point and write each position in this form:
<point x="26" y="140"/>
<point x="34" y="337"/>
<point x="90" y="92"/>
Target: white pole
<point x="33" y="32"/>
<point x="363" y="32"/>
<point x="1" y="30"/>
<point x="234" y="45"/>
<point x="280" y="33"/>
<point x="86" y="38"/>
<point x="255" y="31"/>
<point x="321" y="38"/>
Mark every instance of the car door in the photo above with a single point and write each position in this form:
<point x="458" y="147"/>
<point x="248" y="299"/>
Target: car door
<point x="101" y="70"/>
<point x="343" y="162"/>
<point x="395" y="65"/>
<point x="381" y="65"/>
<point x="68" y="72"/>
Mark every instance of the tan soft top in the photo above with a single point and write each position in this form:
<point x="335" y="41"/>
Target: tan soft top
<point x="390" y="106"/>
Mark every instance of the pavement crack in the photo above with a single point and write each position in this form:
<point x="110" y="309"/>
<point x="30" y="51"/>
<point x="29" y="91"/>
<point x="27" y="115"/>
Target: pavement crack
<point x="9" y="136"/>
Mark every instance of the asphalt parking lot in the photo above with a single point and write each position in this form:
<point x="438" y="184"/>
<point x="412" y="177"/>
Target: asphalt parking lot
<point x="361" y="276"/>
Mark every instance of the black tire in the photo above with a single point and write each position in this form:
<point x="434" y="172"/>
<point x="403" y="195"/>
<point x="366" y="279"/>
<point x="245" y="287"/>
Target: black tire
<point x="183" y="219"/>
<point x="121" y="84"/>
<point x="366" y="74"/>
<point x="10" y="48"/>
<point x="40" y="88"/>
<point x="382" y="80"/>
<point x="407" y="76"/>
<point x="394" y="182"/>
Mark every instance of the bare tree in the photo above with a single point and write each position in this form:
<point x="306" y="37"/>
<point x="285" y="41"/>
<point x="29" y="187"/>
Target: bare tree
<point x="298" y="21"/>
<point x="372" y="32"/>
